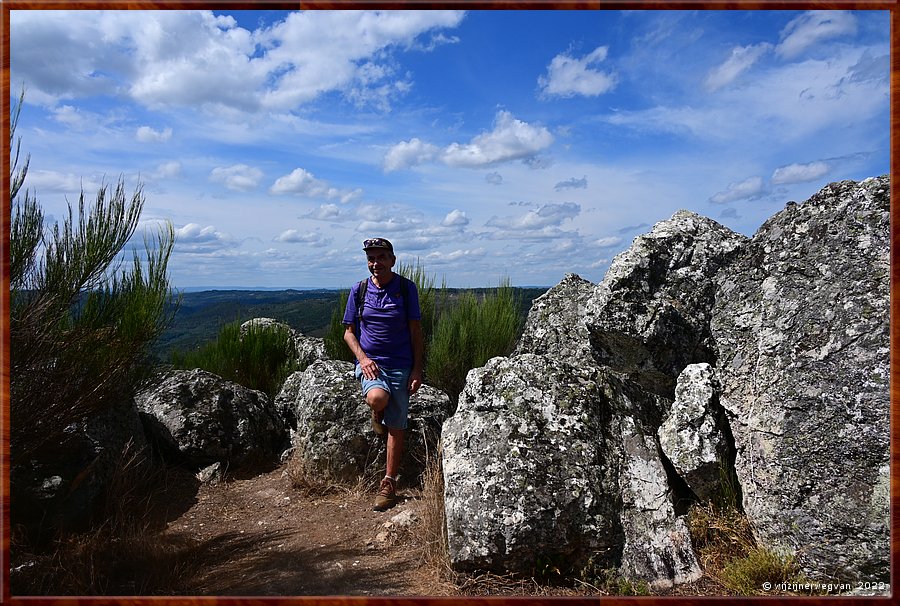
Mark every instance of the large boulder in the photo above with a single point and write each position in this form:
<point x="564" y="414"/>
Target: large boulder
<point x="549" y="459"/>
<point x="63" y="487"/>
<point x="333" y="433"/>
<point x="555" y="323"/>
<point x="198" y="419"/>
<point x="649" y="317"/>
<point x="801" y="326"/>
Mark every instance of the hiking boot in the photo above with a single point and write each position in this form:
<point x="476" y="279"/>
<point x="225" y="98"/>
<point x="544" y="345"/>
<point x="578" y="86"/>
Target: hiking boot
<point x="377" y="427"/>
<point x="386" y="494"/>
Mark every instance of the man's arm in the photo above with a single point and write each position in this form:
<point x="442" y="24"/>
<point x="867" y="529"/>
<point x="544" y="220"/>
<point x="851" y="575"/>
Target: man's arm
<point x="366" y="364"/>
<point x="418" y="347"/>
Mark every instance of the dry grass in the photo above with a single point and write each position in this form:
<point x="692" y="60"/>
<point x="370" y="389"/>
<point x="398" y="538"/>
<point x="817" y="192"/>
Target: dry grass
<point x="312" y="482"/>
<point x="729" y="554"/>
<point x="122" y="555"/>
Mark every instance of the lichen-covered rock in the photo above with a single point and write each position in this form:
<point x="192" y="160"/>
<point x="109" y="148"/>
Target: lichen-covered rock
<point x="546" y="458"/>
<point x="695" y="434"/>
<point x="555" y="323"/>
<point x="202" y="419"/>
<point x="649" y="317"/>
<point x="62" y="488"/>
<point x="801" y="324"/>
<point x="309" y="349"/>
<point x="333" y="423"/>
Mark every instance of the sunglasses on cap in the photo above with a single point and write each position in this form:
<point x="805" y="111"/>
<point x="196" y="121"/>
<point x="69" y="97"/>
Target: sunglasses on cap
<point x="377" y="243"/>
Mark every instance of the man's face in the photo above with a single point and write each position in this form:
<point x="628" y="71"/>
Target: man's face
<point x="380" y="262"/>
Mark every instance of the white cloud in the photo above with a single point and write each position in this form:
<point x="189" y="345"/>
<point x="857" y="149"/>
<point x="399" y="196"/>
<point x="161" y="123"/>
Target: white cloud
<point x="608" y="242"/>
<point x="511" y="139"/>
<point x="747" y="188"/>
<point x="391" y="225"/>
<point x="193" y="238"/>
<point x="239" y="177"/>
<point x="168" y="170"/>
<point x="455" y="218"/>
<point x="441" y="258"/>
<point x="494" y="178"/>
<point x="799" y="173"/>
<point x="409" y="153"/>
<point x="572" y="183"/>
<point x="313" y="52"/>
<point x="568" y="76"/>
<point x="545" y="216"/>
<point x="813" y="27"/>
<point x="145" y="134"/>
<point x="197" y="59"/>
<point x="302" y="182"/>
<point x="294" y="236"/>
<point x="742" y="58"/>
<point x="58" y="182"/>
<point x="327" y="212"/>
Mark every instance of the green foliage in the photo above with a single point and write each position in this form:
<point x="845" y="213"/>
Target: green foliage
<point x="468" y="334"/>
<point x="610" y="582"/>
<point x="81" y="321"/>
<point x="335" y="346"/>
<point x="261" y="358"/>
<point x="747" y="575"/>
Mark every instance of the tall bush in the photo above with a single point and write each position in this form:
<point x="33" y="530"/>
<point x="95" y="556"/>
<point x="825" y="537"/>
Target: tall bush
<point x="469" y="333"/>
<point x="262" y="358"/>
<point x="81" y="319"/>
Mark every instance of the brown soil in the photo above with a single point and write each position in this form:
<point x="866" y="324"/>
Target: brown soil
<point x="262" y="537"/>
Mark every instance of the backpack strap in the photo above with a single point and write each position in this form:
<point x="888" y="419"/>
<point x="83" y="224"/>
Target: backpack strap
<point x="361" y="288"/>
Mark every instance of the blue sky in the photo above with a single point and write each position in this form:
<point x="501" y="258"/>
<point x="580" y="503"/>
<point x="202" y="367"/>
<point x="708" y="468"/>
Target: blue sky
<point x="485" y="144"/>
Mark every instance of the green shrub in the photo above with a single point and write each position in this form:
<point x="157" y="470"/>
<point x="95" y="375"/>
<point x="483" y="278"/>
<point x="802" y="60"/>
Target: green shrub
<point x="335" y="346"/>
<point x="468" y="334"/>
<point x="750" y="574"/>
<point x="262" y="358"/>
<point x="81" y="320"/>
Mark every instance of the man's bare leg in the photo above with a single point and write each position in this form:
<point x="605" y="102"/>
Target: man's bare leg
<point x="394" y="451"/>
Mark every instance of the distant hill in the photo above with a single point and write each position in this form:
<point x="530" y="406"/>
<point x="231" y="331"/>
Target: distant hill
<point x="202" y="314"/>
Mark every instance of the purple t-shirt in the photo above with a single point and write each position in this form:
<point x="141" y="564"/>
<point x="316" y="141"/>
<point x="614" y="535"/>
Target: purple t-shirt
<point x="385" y="323"/>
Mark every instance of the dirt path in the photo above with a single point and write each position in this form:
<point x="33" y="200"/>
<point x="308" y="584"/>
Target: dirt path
<point x="259" y="536"/>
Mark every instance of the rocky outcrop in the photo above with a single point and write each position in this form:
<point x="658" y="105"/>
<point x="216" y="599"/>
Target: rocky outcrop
<point x="333" y="432"/>
<point x="802" y="334"/>
<point x="309" y="349"/>
<point x="547" y="460"/>
<point x="555" y="323"/>
<point x="696" y="435"/>
<point x="649" y="317"/>
<point x="199" y="419"/>
<point x="702" y="354"/>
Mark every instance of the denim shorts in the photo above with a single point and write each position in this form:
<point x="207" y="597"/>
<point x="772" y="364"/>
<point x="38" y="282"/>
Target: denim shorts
<point x="395" y="381"/>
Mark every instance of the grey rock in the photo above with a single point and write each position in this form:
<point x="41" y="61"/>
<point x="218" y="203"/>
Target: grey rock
<point x="202" y="419"/>
<point x="549" y="459"/>
<point x="695" y="435"/>
<point x="555" y="323"/>
<point x="333" y="424"/>
<point x="62" y="491"/>
<point x="801" y="325"/>
<point x="649" y="317"/>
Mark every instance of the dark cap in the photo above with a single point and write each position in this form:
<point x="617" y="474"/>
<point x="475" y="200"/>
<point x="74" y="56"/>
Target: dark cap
<point x="378" y="243"/>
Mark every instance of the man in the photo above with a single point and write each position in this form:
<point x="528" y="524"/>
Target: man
<point x="383" y="330"/>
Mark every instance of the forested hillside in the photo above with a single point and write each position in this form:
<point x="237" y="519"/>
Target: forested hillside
<point x="202" y="314"/>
